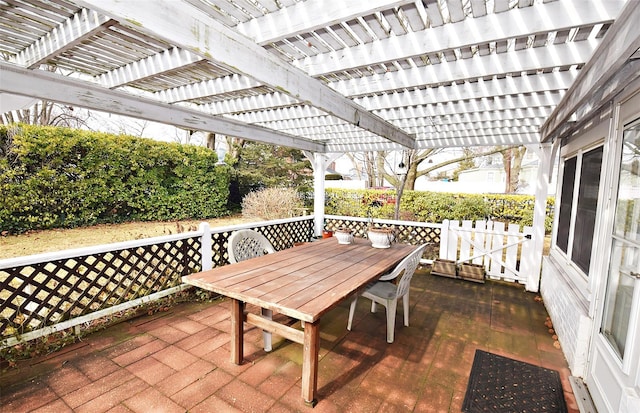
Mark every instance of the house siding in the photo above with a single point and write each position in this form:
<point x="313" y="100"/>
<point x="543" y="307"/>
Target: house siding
<point x="571" y="320"/>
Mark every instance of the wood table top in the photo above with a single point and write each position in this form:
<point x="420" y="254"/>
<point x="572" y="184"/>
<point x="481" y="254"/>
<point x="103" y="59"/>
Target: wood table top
<point x="303" y="282"/>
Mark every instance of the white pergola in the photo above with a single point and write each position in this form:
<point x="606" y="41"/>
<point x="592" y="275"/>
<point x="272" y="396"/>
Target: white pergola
<point x="326" y="77"/>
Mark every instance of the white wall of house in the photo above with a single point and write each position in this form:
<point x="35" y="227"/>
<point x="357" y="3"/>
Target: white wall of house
<point x="574" y="281"/>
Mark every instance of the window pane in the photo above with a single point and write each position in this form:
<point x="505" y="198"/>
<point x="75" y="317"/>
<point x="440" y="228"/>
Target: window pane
<point x="622" y="272"/>
<point x="566" y="199"/>
<point x="627" y="223"/>
<point x="624" y="268"/>
<point x="586" y="210"/>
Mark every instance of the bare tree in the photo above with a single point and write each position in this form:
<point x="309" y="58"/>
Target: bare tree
<point x="416" y="159"/>
<point x="411" y="160"/>
<point x="512" y="163"/>
<point x="357" y="164"/>
<point x="45" y="113"/>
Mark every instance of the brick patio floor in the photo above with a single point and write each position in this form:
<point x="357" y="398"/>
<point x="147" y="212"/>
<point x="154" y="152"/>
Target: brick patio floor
<point x="179" y="360"/>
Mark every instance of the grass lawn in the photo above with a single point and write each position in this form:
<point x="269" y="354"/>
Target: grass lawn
<point x="36" y="242"/>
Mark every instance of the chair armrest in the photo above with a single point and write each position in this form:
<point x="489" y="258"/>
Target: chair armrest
<point x="389" y="276"/>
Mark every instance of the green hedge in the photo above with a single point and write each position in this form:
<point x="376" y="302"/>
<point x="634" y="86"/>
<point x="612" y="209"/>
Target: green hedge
<point x="58" y="178"/>
<point x="435" y="206"/>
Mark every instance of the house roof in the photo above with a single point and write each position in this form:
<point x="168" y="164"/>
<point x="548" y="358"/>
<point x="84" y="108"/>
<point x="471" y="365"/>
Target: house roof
<point x="323" y="76"/>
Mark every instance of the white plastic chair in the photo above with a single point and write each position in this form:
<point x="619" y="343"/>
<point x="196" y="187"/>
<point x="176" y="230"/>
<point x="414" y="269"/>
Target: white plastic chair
<point x="388" y="293"/>
<point x="246" y="244"/>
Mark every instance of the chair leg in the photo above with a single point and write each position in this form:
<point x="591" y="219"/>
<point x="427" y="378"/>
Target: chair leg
<point x="405" y="304"/>
<point x="266" y="335"/>
<point x="391" y="319"/>
<point x="352" y="309"/>
<point x="373" y="306"/>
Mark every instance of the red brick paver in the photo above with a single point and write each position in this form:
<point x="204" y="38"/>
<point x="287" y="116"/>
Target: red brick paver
<point x="179" y="360"/>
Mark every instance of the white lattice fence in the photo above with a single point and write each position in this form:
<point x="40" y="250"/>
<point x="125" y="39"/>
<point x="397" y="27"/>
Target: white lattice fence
<point x="504" y="254"/>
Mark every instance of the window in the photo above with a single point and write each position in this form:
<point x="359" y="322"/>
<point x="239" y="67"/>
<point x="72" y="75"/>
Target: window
<point x="624" y="267"/>
<point x="577" y="215"/>
<point x="586" y="209"/>
<point x="566" y="200"/>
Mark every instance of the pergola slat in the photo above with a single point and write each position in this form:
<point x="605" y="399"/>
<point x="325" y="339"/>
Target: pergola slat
<point x="387" y="68"/>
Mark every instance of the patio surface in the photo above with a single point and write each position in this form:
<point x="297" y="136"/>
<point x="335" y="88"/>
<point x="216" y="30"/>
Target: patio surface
<point x="179" y="360"/>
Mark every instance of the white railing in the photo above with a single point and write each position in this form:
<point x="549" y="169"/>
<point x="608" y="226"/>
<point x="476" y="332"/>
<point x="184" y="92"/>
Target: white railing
<point x="505" y="255"/>
<point x="33" y="285"/>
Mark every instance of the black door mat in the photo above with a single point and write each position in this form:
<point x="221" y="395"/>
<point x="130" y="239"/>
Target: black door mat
<point x="500" y="384"/>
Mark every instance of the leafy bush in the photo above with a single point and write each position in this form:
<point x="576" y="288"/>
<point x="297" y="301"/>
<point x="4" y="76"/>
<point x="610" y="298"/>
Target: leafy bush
<point x="272" y="203"/>
<point x="435" y="206"/>
<point x="368" y="203"/>
<point x="58" y="177"/>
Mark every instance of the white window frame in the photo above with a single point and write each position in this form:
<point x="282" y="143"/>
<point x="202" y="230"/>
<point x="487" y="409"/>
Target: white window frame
<point x="591" y="139"/>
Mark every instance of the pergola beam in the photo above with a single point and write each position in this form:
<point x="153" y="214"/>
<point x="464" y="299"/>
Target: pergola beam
<point x="51" y="86"/>
<point x="201" y="34"/>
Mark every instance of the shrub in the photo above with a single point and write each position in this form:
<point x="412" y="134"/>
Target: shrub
<point x="59" y="178"/>
<point x="272" y="203"/>
<point x="436" y="206"/>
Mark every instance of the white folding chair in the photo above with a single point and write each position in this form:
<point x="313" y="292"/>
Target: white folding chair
<point x="388" y="293"/>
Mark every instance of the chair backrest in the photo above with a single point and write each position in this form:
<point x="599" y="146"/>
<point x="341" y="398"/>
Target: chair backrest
<point x="408" y="265"/>
<point x="246" y="243"/>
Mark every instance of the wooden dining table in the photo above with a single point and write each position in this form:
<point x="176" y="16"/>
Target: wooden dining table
<point x="304" y="283"/>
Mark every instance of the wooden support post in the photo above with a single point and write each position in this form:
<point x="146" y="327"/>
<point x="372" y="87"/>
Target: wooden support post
<point x="237" y="331"/>
<point x="310" y="362"/>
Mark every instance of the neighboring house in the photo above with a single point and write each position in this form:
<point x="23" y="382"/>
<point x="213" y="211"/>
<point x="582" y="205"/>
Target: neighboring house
<point x="491" y="178"/>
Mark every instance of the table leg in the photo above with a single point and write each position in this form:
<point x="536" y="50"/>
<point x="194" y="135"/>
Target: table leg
<point x="310" y="362"/>
<point x="266" y="335"/>
<point x="237" y="331"/>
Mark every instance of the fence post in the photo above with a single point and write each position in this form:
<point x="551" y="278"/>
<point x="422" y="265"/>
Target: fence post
<point x="444" y="239"/>
<point x="545" y="153"/>
<point x="452" y="247"/>
<point x="205" y="246"/>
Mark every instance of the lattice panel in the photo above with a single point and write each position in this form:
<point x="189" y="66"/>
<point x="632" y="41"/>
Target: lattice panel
<point x="407" y="233"/>
<point x="281" y="236"/>
<point x="358" y="228"/>
<point x="39" y="295"/>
